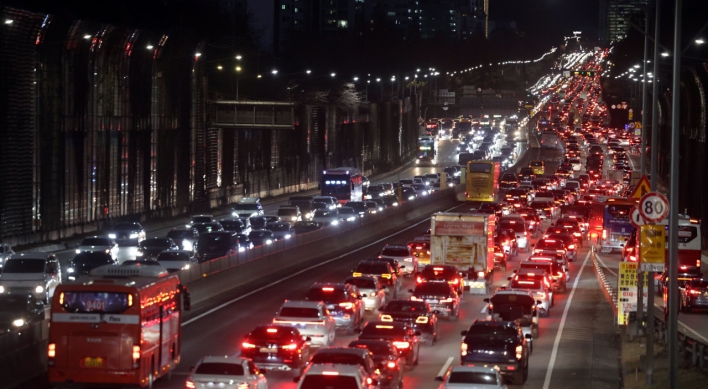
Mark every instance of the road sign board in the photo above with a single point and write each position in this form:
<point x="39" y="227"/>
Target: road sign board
<point x="652" y="247"/>
<point x="627" y="287"/>
<point x="654" y="207"/>
<point x="641" y="189"/>
<point x="636" y="218"/>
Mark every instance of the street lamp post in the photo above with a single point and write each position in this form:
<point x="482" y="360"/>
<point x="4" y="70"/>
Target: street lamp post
<point x="238" y="74"/>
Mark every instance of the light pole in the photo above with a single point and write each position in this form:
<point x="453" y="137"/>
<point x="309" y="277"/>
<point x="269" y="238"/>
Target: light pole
<point x="366" y="96"/>
<point x="379" y="81"/>
<point x="238" y="73"/>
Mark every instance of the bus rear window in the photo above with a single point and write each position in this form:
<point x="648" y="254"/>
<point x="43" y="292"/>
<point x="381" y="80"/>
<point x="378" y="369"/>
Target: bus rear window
<point x="479" y="168"/>
<point x="96" y="302"/>
<point x="687" y="234"/>
<point x="619" y="211"/>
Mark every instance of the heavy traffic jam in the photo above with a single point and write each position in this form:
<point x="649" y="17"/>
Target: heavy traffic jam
<point x="470" y="297"/>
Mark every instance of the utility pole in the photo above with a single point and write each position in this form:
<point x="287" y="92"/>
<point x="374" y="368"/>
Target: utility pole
<point x="654" y="178"/>
<point x="672" y="318"/>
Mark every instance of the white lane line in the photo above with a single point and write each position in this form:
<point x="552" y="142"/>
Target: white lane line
<point x="605" y="266"/>
<point x="219" y="307"/>
<point x="442" y="371"/>
<point x="484" y="309"/>
<point x="554" y="353"/>
<point x="696" y="334"/>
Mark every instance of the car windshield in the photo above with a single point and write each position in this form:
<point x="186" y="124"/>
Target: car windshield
<point x="201" y="219"/>
<point x="550" y="244"/>
<point x="323" y="213"/>
<point x="491" y="332"/>
<point x="365" y="283"/>
<point x="13" y="303"/>
<point x="24" y="266"/>
<point x="202" y="228"/>
<point x="299" y="312"/>
<point x="372" y="268"/>
<point x="126" y="227"/>
<point x="516" y="225"/>
<point x="180" y="234"/>
<point x="246" y="207"/>
<point x="377" y="348"/>
<point x="279" y="227"/>
<point x="472" y="377"/>
<point x="395" y="252"/>
<point x="430" y="271"/>
<point x="526" y="283"/>
<point x="406" y="306"/>
<point x="157" y="243"/>
<point x="338" y="358"/>
<point x="327" y="294"/>
<point x="347" y="211"/>
<point x="419" y="187"/>
<point x="219" y="368"/>
<point x="330" y="381"/>
<point x="213" y="241"/>
<point x="92" y="258"/>
<point x="95" y="302"/>
<point x="172" y="256"/>
<point x="383" y="330"/>
<point x="259" y="234"/>
<point x="232" y="225"/>
<point x="287" y="212"/>
<point x="95" y="242"/>
<point x="433" y="288"/>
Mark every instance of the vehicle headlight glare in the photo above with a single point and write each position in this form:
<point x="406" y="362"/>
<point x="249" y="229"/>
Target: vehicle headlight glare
<point x="2" y="289"/>
<point x="78" y="251"/>
<point x="187" y="245"/>
<point x="112" y="236"/>
<point x="269" y="241"/>
<point x="134" y="236"/>
<point x="70" y="270"/>
<point x="185" y="267"/>
<point x="39" y="289"/>
<point x="288" y="236"/>
<point x="18" y="323"/>
<point x="334" y="222"/>
<point x="254" y="214"/>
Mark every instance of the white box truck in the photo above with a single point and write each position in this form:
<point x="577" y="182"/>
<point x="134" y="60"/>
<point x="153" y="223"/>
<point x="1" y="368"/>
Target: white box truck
<point x="466" y="241"/>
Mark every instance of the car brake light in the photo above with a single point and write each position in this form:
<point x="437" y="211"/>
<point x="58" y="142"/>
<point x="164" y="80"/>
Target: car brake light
<point x="346" y="305"/>
<point x="189" y="385"/>
<point x="386" y="276"/>
<point x="698" y="263"/>
<point x="418" y="279"/>
<point x="401" y="344"/>
<point x="330" y="373"/>
<point x="391" y="365"/>
<point x="463" y="349"/>
<point x="422" y="320"/>
<point x="386" y="318"/>
<point x="136" y="356"/>
<point x="695" y="292"/>
<point x="52" y="350"/>
<point x="291" y="346"/>
<point x="455" y="281"/>
<point x="272" y="330"/>
<point x="248" y="345"/>
<point x="632" y="258"/>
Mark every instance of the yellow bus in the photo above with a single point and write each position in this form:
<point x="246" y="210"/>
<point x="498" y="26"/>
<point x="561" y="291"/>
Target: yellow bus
<point x="482" y="181"/>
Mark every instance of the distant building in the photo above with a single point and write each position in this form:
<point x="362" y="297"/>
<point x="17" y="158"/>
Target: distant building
<point x="615" y="14"/>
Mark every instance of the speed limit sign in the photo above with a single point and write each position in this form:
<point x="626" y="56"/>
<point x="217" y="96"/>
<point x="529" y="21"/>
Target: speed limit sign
<point x="636" y="218"/>
<point x="653" y="207"/>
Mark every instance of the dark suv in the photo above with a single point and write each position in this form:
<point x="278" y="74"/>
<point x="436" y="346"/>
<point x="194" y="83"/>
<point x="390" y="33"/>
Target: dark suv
<point x="441" y="296"/>
<point x="498" y="343"/>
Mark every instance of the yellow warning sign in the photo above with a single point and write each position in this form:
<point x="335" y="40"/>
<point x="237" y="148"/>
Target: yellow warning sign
<point x="652" y="247"/>
<point x="638" y="125"/>
<point x="641" y="189"/>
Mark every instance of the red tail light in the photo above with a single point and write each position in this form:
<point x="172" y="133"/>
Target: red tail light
<point x="403" y="344"/>
<point x="136" y="356"/>
<point x="291" y="346"/>
<point x="418" y="279"/>
<point x="695" y="292"/>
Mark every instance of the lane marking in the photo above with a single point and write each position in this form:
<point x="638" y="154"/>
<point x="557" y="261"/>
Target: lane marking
<point x="554" y="353"/>
<point x="605" y="266"/>
<point x="442" y="371"/>
<point x="223" y="305"/>
<point x="484" y="309"/>
<point x="686" y="326"/>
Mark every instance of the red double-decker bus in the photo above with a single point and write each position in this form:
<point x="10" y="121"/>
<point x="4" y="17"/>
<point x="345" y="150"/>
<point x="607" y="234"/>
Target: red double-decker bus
<point x="119" y="326"/>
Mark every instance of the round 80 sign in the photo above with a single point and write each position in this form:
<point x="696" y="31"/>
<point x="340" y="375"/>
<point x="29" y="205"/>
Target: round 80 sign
<point x="653" y="207"/>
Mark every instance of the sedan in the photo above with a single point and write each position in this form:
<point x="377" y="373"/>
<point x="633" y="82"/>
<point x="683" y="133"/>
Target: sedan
<point x="84" y="262"/>
<point x="151" y="248"/>
<point x="127" y="233"/>
<point x="176" y="260"/>
<point x="328" y="217"/>
<point x="387" y="360"/>
<point x="420" y="189"/>
<point x="281" y="230"/>
<point x="230" y="372"/>
<point x="261" y="237"/>
<point x="403" y="337"/>
<point x="98" y="244"/>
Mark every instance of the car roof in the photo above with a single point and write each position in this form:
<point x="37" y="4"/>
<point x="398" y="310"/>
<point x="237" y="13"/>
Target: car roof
<point x="346" y="370"/>
<point x="344" y="350"/>
<point x="301" y="304"/>
<point x="43" y="256"/>
<point x="476" y="369"/>
<point x="223" y="359"/>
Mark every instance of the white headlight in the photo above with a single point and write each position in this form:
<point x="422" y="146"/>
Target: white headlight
<point x="350" y="219"/>
<point x="334" y="222"/>
<point x="2" y="289"/>
<point x="134" y="236"/>
<point x="269" y="241"/>
<point x="18" y="323"/>
<point x="70" y="270"/>
<point x="294" y="218"/>
<point x="234" y="214"/>
<point x="112" y="236"/>
<point x="241" y="249"/>
<point x="395" y="204"/>
<point x="78" y="251"/>
<point x="187" y="245"/>
<point x="39" y="289"/>
<point x="185" y="267"/>
<point x="288" y="236"/>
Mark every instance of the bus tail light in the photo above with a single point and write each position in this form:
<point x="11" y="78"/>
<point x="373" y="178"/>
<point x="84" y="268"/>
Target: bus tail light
<point x="604" y="234"/>
<point x="698" y="263"/>
<point x="51" y="353"/>
<point x="136" y="357"/>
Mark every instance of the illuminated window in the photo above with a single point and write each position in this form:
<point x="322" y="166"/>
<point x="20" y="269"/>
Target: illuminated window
<point x="343" y="24"/>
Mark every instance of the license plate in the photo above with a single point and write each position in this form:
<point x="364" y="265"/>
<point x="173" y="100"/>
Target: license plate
<point x="93" y="362"/>
<point x="432" y="301"/>
<point x="269" y="350"/>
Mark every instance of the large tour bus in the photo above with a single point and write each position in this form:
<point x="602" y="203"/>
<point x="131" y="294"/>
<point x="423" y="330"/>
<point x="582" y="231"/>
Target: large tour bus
<point x="428" y="147"/>
<point x="342" y="183"/>
<point x="610" y="224"/>
<point x="549" y="140"/>
<point x="482" y="181"/>
<point x="689" y="250"/>
<point x="121" y="326"/>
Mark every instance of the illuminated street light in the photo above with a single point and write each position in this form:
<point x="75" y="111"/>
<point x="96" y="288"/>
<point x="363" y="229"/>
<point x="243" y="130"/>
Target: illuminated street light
<point x="259" y="76"/>
<point x="8" y="21"/>
<point x="636" y="66"/>
<point x="198" y="55"/>
<point x="238" y="57"/>
<point x="87" y="36"/>
<point x="219" y="67"/>
<point x="238" y="68"/>
<point x="308" y="71"/>
<point x="149" y="47"/>
<point x="700" y="41"/>
<point x="332" y="74"/>
<point x="356" y="78"/>
<point x="274" y="72"/>
<point x="378" y="80"/>
<point x="664" y="54"/>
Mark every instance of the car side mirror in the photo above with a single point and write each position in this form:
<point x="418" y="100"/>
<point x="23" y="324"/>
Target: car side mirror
<point x="528" y="336"/>
<point x="308" y="339"/>
<point x="191" y="368"/>
<point x="508" y="278"/>
<point x="436" y="312"/>
<point x="463" y="333"/>
<point x="486" y="300"/>
<point x="438" y="378"/>
<point x="296" y="379"/>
